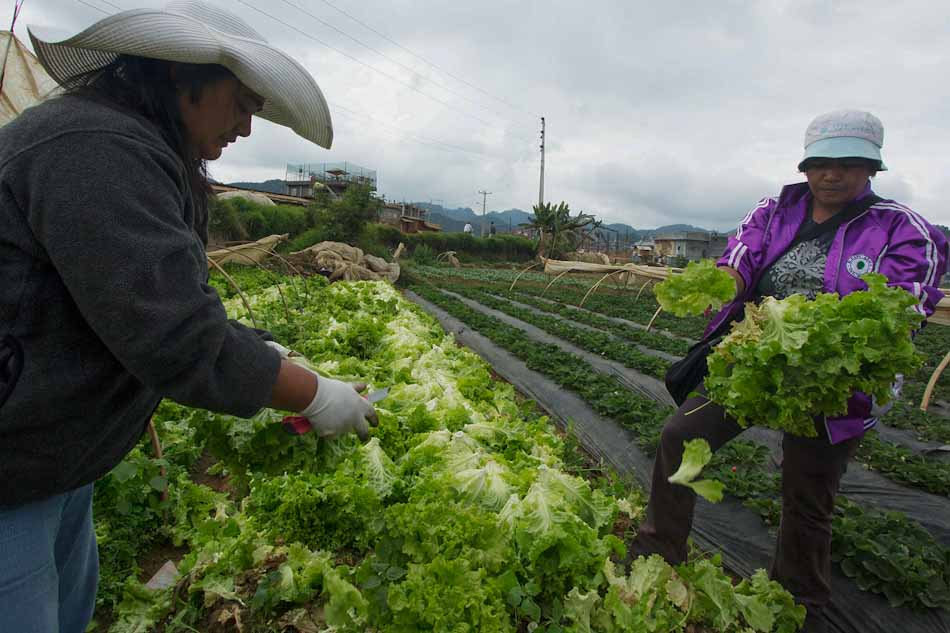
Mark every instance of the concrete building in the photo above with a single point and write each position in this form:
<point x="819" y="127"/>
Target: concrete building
<point x="303" y="179"/>
<point x="693" y="245"/>
<point x="407" y="218"/>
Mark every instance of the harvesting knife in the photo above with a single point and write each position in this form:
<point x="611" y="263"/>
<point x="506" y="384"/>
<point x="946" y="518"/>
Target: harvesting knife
<point x="298" y="424"/>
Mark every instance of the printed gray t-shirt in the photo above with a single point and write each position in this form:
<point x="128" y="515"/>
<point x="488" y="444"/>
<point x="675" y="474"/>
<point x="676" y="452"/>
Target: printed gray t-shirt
<point x="799" y="270"/>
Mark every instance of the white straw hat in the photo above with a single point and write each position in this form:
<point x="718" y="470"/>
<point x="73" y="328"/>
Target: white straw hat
<point x="197" y="32"/>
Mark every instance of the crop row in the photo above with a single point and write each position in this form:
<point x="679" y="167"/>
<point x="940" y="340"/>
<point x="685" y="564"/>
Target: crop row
<point x="460" y="514"/>
<point x="925" y="564"/>
<point x="897" y="463"/>
<point x="933" y="341"/>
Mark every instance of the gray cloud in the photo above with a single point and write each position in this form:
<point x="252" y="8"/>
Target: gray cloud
<point x="657" y="112"/>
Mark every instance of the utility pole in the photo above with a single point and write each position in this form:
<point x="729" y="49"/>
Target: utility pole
<point x="485" y="195"/>
<point x="541" y="187"/>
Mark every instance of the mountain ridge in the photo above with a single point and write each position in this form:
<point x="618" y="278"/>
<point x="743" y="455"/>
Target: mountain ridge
<point x="454" y="220"/>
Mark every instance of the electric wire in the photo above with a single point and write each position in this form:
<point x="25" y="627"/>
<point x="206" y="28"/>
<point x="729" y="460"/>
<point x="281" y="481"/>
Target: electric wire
<point x="91" y="6"/>
<point x="403" y="133"/>
<point x="362" y="63"/>
<point x="423" y="59"/>
<point x="436" y="144"/>
<point x="387" y="57"/>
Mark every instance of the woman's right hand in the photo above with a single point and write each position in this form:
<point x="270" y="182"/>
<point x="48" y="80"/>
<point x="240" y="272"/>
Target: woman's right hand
<point x="338" y="408"/>
<point x="331" y="406"/>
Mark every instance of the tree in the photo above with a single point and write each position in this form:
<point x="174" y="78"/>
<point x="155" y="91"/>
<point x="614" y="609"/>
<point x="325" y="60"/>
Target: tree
<point x="560" y="232"/>
<point x="343" y="219"/>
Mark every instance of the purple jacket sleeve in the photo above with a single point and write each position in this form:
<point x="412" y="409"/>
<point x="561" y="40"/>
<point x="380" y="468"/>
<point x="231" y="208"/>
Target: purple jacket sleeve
<point x="915" y="258"/>
<point x="744" y="251"/>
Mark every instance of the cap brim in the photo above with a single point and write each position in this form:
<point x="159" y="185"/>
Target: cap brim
<point x="844" y="147"/>
<point x="292" y="97"/>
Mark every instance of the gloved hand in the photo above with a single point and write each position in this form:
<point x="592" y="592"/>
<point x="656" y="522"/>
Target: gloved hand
<point x="338" y="408"/>
<point x="283" y="351"/>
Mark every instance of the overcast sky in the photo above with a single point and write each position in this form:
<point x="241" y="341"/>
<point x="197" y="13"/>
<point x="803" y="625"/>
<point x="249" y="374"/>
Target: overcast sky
<point x="657" y="112"/>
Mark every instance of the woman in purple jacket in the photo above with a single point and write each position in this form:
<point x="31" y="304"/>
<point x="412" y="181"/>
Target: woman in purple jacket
<point x="778" y="250"/>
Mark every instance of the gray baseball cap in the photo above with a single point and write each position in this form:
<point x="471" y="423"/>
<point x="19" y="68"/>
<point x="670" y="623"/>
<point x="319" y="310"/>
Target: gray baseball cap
<point x="845" y="134"/>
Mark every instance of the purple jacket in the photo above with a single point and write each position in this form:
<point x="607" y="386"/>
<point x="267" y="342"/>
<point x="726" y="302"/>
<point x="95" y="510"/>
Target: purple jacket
<point x="888" y="238"/>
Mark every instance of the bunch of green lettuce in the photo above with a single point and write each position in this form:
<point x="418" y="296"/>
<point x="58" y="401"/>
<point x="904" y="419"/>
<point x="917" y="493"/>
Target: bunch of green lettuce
<point x="792" y="359"/>
<point x="658" y="598"/>
<point x="700" y="287"/>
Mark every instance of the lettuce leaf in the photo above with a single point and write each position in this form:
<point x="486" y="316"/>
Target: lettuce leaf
<point x="696" y="454"/>
<point x="700" y="287"/>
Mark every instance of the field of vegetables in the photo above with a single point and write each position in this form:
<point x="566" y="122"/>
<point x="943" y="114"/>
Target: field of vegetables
<point x="467" y="511"/>
<point x="903" y="556"/>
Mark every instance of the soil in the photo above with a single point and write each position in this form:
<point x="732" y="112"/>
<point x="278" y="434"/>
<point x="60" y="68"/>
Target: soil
<point x="218" y="483"/>
<point x="153" y="560"/>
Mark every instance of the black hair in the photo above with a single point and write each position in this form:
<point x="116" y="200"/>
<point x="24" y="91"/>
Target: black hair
<point x="145" y="86"/>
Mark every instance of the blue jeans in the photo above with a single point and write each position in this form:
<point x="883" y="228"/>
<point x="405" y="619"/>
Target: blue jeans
<point x="49" y="565"/>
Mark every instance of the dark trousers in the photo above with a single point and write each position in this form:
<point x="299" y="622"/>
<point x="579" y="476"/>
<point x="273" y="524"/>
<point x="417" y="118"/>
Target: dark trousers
<point x="811" y="472"/>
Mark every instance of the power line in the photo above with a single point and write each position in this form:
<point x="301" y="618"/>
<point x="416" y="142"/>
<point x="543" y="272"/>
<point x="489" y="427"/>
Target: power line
<point x="384" y="55"/>
<point x="423" y="140"/>
<point x="362" y="63"/>
<point x="423" y="59"/>
<point x="100" y="10"/>
<point x="419" y="139"/>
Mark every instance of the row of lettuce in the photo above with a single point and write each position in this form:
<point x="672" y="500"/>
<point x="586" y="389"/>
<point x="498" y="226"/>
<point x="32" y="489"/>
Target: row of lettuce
<point x="623" y="299"/>
<point x="915" y="573"/>
<point x="464" y="512"/>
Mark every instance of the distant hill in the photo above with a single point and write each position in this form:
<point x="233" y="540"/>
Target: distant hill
<point x="271" y="186"/>
<point x="448" y="224"/>
<point x="675" y="228"/>
<point x="453" y="220"/>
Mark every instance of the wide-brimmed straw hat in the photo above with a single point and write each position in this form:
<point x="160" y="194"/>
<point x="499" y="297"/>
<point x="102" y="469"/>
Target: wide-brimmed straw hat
<point x="196" y="32"/>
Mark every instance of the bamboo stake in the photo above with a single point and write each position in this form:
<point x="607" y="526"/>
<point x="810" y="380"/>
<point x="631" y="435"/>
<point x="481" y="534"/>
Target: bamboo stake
<point x="641" y="288"/>
<point x="259" y="265"/>
<point x="230" y="279"/>
<point x="925" y="402"/>
<point x="290" y="266"/>
<point x="293" y="268"/>
<point x="594" y="287"/>
<point x="703" y="405"/>
<point x="157" y="448"/>
<point x="626" y="280"/>
<point x="655" y="315"/>
<point x="553" y="280"/>
<point x="512" y="286"/>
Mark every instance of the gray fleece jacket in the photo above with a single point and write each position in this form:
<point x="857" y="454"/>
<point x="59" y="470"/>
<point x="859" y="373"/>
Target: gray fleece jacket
<point x="104" y="305"/>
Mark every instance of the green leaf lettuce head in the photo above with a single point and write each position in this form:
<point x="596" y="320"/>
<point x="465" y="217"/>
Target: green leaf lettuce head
<point x="696" y="454"/>
<point x="700" y="286"/>
<point x="793" y="359"/>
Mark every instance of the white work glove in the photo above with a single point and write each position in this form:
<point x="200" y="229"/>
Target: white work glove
<point x="283" y="351"/>
<point x="338" y="408"/>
